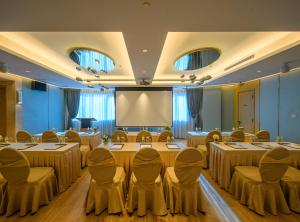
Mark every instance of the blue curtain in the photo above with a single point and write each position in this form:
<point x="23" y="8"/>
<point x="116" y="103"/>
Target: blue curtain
<point x="99" y="105"/>
<point x="72" y="103"/>
<point x="182" y="122"/>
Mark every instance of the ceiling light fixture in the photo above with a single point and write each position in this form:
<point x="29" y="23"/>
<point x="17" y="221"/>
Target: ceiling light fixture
<point x="78" y="68"/>
<point x="27" y="71"/>
<point x="145" y="50"/>
<point x="258" y="71"/>
<point x="97" y="76"/>
<point x="79" y="79"/>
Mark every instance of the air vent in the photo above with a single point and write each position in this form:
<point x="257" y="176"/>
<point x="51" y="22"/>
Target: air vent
<point x="239" y="62"/>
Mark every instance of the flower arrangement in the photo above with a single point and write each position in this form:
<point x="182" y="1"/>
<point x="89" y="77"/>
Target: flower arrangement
<point x="168" y="128"/>
<point x="216" y="137"/>
<point x="105" y="138"/>
<point x="279" y="138"/>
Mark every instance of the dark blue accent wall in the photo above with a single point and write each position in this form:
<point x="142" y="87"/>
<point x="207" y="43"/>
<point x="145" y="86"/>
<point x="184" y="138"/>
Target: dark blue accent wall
<point x="42" y="110"/>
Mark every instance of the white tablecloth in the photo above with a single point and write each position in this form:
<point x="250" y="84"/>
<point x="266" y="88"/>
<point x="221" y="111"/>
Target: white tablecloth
<point x="124" y="157"/>
<point x="132" y="136"/>
<point x="91" y="139"/>
<point x="66" y="160"/>
<point x="198" y="138"/>
<point x="224" y="158"/>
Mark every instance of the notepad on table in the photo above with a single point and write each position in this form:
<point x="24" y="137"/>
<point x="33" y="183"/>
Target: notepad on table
<point x="146" y="145"/>
<point x="235" y="145"/>
<point x="172" y="146"/>
<point x="56" y="146"/>
<point x="117" y="146"/>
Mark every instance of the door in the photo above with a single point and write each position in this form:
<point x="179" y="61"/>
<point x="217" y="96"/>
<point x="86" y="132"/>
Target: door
<point x="246" y="110"/>
<point x="3" y="111"/>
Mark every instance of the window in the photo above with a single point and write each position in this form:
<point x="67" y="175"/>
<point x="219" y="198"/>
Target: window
<point x="180" y="110"/>
<point x="97" y="104"/>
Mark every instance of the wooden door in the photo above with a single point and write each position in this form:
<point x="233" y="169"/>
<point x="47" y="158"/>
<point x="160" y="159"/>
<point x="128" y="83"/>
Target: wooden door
<point x="246" y="101"/>
<point x="3" y="111"/>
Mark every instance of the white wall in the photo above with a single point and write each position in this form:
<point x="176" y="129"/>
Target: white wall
<point x="211" y="108"/>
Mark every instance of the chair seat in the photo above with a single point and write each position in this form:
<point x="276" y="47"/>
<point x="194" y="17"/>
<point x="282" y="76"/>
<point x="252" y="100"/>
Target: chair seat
<point x="291" y="175"/>
<point x="249" y="172"/>
<point x="39" y="173"/>
<point x="120" y="173"/>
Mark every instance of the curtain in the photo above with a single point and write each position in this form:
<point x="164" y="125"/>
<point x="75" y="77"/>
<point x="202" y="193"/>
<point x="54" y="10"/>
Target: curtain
<point x="194" y="104"/>
<point x="72" y="97"/>
<point x="96" y="60"/>
<point x="99" y="105"/>
<point x="182" y="121"/>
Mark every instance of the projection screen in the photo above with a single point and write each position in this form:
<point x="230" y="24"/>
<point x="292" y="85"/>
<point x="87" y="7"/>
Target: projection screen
<point x="144" y="107"/>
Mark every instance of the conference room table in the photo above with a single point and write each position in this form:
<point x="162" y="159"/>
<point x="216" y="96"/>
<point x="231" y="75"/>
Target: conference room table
<point x="225" y="156"/>
<point x="132" y="136"/>
<point x="195" y="138"/>
<point x="87" y="138"/>
<point x="124" y="156"/>
<point x="64" y="158"/>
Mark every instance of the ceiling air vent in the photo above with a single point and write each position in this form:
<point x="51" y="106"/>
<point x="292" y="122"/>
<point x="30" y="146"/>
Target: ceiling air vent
<point x="239" y="62"/>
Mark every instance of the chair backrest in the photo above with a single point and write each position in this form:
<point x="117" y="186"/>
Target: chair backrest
<point x="188" y="165"/>
<point x="262" y="136"/>
<point x="101" y="165"/>
<point x="144" y="134"/>
<point x="24" y="137"/>
<point x="237" y="136"/>
<point x="209" y="138"/>
<point x="147" y="165"/>
<point x="119" y="134"/>
<point x="14" y="166"/>
<point x="49" y="136"/>
<point x="163" y="136"/>
<point x="72" y="137"/>
<point x="274" y="164"/>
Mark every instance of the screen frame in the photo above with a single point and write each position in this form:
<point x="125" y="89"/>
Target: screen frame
<point x="142" y="89"/>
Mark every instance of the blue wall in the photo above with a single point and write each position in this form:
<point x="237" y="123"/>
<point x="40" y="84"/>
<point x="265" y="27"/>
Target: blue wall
<point x="283" y="109"/>
<point x="211" y="110"/>
<point x="42" y="110"/>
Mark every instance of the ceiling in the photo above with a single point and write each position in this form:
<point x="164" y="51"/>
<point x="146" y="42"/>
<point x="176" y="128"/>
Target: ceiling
<point x="168" y="28"/>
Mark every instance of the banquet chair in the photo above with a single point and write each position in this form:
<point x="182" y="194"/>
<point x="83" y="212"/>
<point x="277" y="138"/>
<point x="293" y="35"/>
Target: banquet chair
<point x="290" y="184"/>
<point x="49" y="136"/>
<point x="27" y="188"/>
<point x="163" y="136"/>
<point x="119" y="136"/>
<point x="259" y="187"/>
<point x="24" y="137"/>
<point x="73" y="137"/>
<point x="262" y="136"/>
<point x="144" y="134"/>
<point x="237" y="136"/>
<point x="181" y="183"/>
<point x="205" y="149"/>
<point x="145" y="188"/>
<point x="3" y="185"/>
<point x="107" y="186"/>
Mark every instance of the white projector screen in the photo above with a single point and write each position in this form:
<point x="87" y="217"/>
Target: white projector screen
<point x="144" y="107"/>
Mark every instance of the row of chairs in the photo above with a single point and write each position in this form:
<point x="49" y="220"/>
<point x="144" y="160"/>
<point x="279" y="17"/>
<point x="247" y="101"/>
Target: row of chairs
<point x="272" y="186"/>
<point x="236" y="136"/>
<point x="142" y="136"/>
<point x="50" y="136"/>
<point x="180" y="190"/>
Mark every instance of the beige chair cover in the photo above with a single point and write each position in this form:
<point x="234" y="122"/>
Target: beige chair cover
<point x="49" y="136"/>
<point x="24" y="137"/>
<point x="237" y="136"/>
<point x="144" y="134"/>
<point x="145" y="189"/>
<point x="259" y="187"/>
<point x="107" y="188"/>
<point x="163" y="136"/>
<point x="3" y="184"/>
<point x="262" y="136"/>
<point x="290" y="184"/>
<point x="73" y="137"/>
<point x="205" y="150"/>
<point x="28" y="188"/>
<point x="181" y="183"/>
<point x="119" y="136"/>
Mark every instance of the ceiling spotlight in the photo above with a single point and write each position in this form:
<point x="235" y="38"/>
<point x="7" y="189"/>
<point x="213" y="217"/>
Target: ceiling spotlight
<point x="193" y="77"/>
<point x="104" y="71"/>
<point x="144" y="71"/>
<point x="182" y="80"/>
<point x="145" y="82"/>
<point x="97" y="61"/>
<point x="145" y="50"/>
<point x="285" y="68"/>
<point x="258" y="71"/>
<point x="146" y="4"/>
<point x="78" y="68"/>
<point x="79" y="79"/>
<point x="27" y="71"/>
<point x="182" y="76"/>
<point x="97" y="76"/>
<point x="208" y="77"/>
<point x="200" y="82"/>
<point x="92" y="70"/>
<point x="88" y="80"/>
